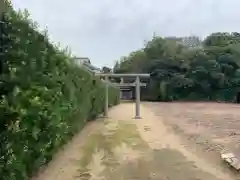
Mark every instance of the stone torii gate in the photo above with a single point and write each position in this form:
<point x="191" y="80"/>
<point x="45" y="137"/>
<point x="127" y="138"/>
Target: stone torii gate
<point x="137" y="85"/>
<point x="124" y="86"/>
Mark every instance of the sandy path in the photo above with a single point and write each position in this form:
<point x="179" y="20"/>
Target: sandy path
<point x="64" y="165"/>
<point x="124" y="148"/>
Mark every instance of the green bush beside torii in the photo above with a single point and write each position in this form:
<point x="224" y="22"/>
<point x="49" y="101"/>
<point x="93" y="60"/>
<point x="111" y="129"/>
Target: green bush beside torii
<point x="45" y="98"/>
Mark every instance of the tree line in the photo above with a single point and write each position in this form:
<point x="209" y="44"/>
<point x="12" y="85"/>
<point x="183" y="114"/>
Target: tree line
<point x="188" y="68"/>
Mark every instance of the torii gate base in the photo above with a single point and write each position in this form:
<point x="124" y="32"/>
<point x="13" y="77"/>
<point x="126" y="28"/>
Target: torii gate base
<point x="137" y="85"/>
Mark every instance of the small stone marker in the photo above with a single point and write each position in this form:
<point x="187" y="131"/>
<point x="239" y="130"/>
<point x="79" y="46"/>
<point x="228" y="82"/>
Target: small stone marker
<point x="232" y="159"/>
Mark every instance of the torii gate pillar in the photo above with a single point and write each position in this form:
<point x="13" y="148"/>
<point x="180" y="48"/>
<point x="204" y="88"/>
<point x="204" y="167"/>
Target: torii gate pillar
<point x="137" y="88"/>
<point x="106" y="98"/>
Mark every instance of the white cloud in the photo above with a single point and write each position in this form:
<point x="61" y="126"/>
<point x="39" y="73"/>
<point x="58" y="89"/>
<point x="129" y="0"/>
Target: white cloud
<point x="105" y="30"/>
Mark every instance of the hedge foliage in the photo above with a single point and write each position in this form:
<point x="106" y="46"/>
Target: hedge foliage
<point x="45" y="98"/>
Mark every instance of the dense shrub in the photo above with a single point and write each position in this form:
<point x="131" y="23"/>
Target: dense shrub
<point x="45" y="98"/>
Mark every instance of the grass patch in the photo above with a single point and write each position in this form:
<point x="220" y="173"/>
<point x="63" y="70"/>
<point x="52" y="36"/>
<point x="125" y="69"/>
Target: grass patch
<point x="116" y="133"/>
<point x="125" y="133"/>
<point x="89" y="149"/>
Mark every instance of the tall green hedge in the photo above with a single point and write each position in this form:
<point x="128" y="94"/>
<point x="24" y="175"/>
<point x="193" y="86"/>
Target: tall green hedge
<point x="45" y="98"/>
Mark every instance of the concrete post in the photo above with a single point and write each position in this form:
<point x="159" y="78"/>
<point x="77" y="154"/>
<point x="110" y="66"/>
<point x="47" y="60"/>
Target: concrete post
<point x="137" y="98"/>
<point x="106" y="97"/>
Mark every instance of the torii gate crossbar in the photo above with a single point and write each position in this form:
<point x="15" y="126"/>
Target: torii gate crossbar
<point x="137" y="84"/>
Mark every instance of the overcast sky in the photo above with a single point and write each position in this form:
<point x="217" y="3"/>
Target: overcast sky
<point x="105" y="30"/>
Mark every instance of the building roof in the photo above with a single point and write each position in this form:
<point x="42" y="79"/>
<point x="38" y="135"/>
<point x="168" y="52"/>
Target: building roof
<point x="85" y="61"/>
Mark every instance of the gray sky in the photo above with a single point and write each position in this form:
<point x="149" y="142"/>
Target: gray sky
<point x="105" y="30"/>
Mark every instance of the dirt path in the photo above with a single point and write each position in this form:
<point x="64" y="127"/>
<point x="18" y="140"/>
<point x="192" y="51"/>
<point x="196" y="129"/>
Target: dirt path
<point x="121" y="148"/>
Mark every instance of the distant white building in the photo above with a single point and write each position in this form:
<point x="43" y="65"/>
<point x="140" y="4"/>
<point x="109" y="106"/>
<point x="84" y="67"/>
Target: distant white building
<point x="85" y="61"/>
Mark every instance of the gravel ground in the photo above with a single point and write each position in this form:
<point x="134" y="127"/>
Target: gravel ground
<point x="209" y="128"/>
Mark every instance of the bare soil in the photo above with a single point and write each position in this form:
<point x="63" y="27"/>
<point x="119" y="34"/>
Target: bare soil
<point x="206" y="128"/>
<point x="155" y="147"/>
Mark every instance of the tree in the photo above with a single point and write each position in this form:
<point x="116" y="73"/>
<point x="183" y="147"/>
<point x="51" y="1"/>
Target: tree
<point x="186" y="68"/>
